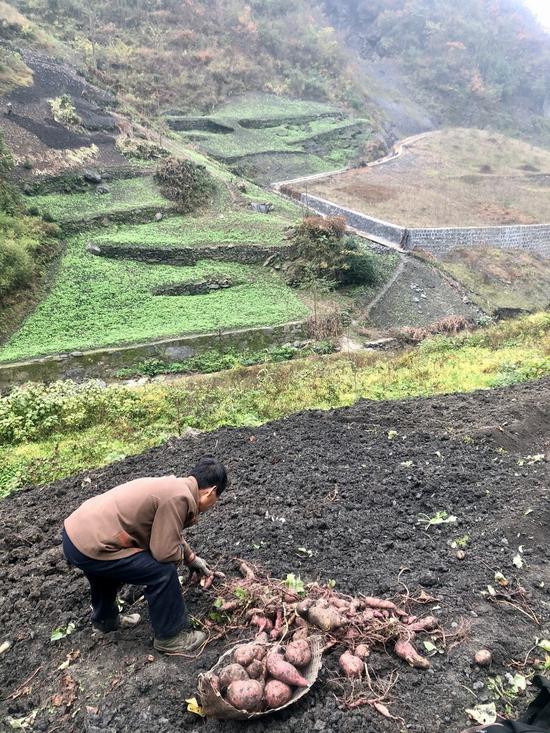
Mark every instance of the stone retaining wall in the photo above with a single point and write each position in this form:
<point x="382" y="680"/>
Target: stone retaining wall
<point x="438" y="241"/>
<point x="367" y="224"/>
<point x="248" y="254"/>
<point x="104" y="363"/>
<point x="139" y="215"/>
<point x="533" y="238"/>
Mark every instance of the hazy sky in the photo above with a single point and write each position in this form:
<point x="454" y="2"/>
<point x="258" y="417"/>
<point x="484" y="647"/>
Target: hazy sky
<point x="541" y="8"/>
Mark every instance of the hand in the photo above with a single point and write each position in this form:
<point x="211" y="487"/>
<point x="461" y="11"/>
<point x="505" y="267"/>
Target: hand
<point x="199" y="566"/>
<point x="200" y="572"/>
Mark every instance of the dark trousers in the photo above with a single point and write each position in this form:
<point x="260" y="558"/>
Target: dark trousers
<point x="162" y="588"/>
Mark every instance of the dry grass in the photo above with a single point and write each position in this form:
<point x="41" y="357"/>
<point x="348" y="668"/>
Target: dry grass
<point x="454" y="177"/>
<point x="502" y="278"/>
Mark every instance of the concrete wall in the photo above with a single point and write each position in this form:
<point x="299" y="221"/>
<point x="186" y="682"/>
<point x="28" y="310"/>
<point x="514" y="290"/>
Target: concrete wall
<point x="375" y="227"/>
<point x="104" y="363"/>
<point x="533" y="238"/>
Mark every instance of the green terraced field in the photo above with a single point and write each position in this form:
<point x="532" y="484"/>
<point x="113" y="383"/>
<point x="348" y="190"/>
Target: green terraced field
<point x="321" y="136"/>
<point x="235" y="227"/>
<point x="99" y="302"/>
<point x="125" y="195"/>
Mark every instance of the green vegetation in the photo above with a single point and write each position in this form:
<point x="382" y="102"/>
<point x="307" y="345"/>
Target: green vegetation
<point x="64" y="112"/>
<point x="216" y="361"/>
<point x="125" y="195"/>
<point x="259" y="129"/>
<point x="475" y="63"/>
<point x="98" y="302"/>
<point x="326" y="255"/>
<point x="25" y="245"/>
<point x="50" y="432"/>
<point x="189" y="185"/>
<point x="222" y="227"/>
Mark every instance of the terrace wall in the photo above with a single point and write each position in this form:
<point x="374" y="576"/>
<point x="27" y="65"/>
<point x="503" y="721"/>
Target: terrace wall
<point x="104" y="363"/>
<point x="247" y="254"/>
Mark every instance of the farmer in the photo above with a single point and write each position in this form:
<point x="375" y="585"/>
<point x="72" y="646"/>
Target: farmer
<point x="133" y="534"/>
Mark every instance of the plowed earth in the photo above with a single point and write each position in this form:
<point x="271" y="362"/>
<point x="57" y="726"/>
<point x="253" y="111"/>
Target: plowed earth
<point x="350" y="486"/>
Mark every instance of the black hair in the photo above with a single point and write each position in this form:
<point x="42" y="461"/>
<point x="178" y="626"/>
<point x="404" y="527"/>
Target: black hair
<point x="210" y="472"/>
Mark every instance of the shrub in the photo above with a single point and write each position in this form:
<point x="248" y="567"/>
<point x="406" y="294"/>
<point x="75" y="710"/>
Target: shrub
<point x="188" y="184"/>
<point x="325" y="255"/>
<point x="36" y="411"/>
<point x="64" y="112"/>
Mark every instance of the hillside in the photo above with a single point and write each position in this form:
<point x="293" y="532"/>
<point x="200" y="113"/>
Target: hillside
<point x="194" y="55"/>
<point x="477" y="63"/>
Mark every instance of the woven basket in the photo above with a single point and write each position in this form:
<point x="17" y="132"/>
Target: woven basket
<point x="214" y="706"/>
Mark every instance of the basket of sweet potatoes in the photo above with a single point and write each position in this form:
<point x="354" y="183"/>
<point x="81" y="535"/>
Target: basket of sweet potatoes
<point x="255" y="679"/>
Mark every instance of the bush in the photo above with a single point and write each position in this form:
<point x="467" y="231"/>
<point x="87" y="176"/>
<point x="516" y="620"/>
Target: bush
<point x="188" y="184"/>
<point x="64" y="112"/>
<point x="325" y="255"/>
<point x="36" y="411"/>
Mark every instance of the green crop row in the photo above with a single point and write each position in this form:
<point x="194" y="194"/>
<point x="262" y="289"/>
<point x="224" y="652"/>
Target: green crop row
<point x="124" y="195"/>
<point x="98" y="302"/>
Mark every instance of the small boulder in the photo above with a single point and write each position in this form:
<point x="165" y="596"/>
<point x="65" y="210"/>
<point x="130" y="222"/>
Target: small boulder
<point x="159" y="216"/>
<point x="92" y="177"/>
<point x="103" y="189"/>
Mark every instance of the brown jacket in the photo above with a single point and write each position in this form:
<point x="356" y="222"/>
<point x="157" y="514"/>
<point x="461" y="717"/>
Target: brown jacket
<point x="144" y="514"/>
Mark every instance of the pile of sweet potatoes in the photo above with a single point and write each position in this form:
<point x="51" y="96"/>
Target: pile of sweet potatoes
<point x="358" y="623"/>
<point x="263" y="676"/>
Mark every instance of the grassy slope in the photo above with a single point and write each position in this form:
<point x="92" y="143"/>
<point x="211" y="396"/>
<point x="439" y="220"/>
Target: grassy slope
<point x="502" y="278"/>
<point x="125" y="195"/>
<point x="457" y="177"/>
<point x="208" y="229"/>
<point x="305" y="136"/>
<point x="97" y="427"/>
<point x="99" y="302"/>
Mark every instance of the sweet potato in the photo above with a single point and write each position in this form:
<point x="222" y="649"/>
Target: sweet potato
<point x="303" y="607"/>
<point x="429" y="623"/>
<point x="283" y="671"/>
<point x="405" y="650"/>
<point x="302" y="633"/>
<point x="256" y="670"/>
<point x="352" y="666"/>
<point x="277" y="626"/>
<point x="298" y="653"/>
<point x="245" y="695"/>
<point x="215" y="682"/>
<point x="261" y="638"/>
<point x="382" y="604"/>
<point x="362" y="651"/>
<point x="262" y="622"/>
<point x="244" y="654"/>
<point x="326" y="619"/>
<point x="364" y="617"/>
<point x="276" y="693"/>
<point x="232" y="673"/>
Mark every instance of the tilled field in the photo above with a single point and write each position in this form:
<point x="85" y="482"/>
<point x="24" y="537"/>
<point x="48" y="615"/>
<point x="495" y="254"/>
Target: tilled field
<point x="348" y="488"/>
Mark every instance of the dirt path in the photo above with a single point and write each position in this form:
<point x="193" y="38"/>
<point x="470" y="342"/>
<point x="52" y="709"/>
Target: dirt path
<point x="350" y="485"/>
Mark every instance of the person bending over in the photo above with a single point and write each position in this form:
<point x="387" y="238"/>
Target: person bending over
<point x="133" y="534"/>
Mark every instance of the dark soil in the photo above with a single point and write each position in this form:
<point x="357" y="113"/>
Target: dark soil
<point x="348" y="492"/>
